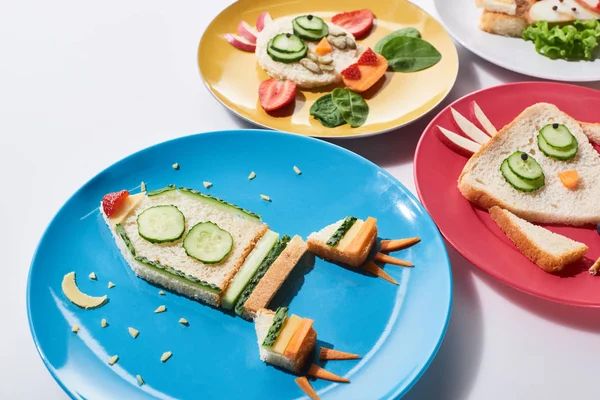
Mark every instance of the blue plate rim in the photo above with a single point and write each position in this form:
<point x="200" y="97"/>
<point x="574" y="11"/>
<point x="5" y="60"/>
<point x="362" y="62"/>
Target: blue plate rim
<point x="397" y="392"/>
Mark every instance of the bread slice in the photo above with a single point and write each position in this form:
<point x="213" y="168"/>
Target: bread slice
<point x="186" y="275"/>
<point x="274" y="278"/>
<point x="347" y="251"/>
<point x="482" y="183"/>
<point x="262" y="323"/>
<point x="504" y="24"/>
<point x="592" y="131"/>
<point x="500" y="6"/>
<point x="549" y="250"/>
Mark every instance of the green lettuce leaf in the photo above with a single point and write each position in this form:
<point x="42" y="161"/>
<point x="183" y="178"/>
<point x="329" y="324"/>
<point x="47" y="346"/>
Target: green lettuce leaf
<point x="576" y="41"/>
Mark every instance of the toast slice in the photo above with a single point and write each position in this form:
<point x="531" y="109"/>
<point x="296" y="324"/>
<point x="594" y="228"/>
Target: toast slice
<point x="500" y="23"/>
<point x="500" y="6"/>
<point x="549" y="250"/>
<point x="273" y="279"/>
<point x="482" y="183"/>
<point x="353" y="245"/>
<point x="167" y="264"/>
<point x="304" y="341"/>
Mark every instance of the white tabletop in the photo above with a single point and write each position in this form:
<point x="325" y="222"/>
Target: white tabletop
<point x="85" y="83"/>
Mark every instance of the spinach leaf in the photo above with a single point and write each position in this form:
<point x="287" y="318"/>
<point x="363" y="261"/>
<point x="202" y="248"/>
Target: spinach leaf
<point x="326" y="112"/>
<point x="353" y="107"/>
<point x="410" y="32"/>
<point x="409" y="54"/>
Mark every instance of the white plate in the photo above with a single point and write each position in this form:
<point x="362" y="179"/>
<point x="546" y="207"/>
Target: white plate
<point x="461" y="17"/>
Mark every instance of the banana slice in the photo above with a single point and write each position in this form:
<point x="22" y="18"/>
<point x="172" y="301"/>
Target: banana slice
<point x="76" y="296"/>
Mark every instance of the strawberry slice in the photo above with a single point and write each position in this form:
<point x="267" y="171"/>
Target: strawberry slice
<point x="358" y="22"/>
<point x="368" y="58"/>
<point x="113" y="201"/>
<point x="352" y="72"/>
<point x="274" y="94"/>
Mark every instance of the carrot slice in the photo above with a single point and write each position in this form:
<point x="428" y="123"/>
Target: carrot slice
<point x="375" y="270"/>
<point x="359" y="241"/>
<point x="384" y="258"/>
<point x="331" y="354"/>
<point x="569" y="178"/>
<point x="393" y="245"/>
<point x="320" y="373"/>
<point x="369" y="75"/>
<point x="295" y="344"/>
<point x="323" y="47"/>
<point x="307" y="387"/>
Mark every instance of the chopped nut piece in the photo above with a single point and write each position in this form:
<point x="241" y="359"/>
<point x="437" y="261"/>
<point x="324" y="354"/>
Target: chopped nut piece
<point x="140" y="380"/>
<point x="176" y="166"/>
<point x="75" y="328"/>
<point x="252" y="175"/>
<point x="207" y="184"/>
<point x="143" y="187"/>
<point x="103" y="323"/>
<point x="297" y="170"/>
<point x="111" y="285"/>
<point x="161" y="292"/>
<point x="93" y="276"/>
<point x="183" y="321"/>
<point x="113" y="359"/>
<point x="265" y="197"/>
<point x="165" y="356"/>
<point x="160" y="309"/>
<point x="133" y="332"/>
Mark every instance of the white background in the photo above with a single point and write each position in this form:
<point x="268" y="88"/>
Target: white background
<point x="85" y="83"/>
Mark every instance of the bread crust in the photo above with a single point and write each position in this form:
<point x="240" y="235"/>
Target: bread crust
<point x="326" y="252"/>
<point x="548" y="262"/>
<point x="275" y="276"/>
<point x="504" y="24"/>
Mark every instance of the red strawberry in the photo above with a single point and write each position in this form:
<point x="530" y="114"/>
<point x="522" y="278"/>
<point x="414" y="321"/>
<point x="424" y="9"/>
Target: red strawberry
<point x="274" y="94"/>
<point x="352" y="72"/>
<point x="113" y="201"/>
<point x="357" y="22"/>
<point x="368" y="58"/>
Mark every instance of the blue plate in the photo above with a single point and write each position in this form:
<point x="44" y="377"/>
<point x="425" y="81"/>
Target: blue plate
<point x="397" y="329"/>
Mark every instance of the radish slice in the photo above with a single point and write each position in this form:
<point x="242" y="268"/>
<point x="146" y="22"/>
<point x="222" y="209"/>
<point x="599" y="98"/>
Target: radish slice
<point x="484" y="120"/>
<point x="460" y="141"/>
<point x="469" y="128"/>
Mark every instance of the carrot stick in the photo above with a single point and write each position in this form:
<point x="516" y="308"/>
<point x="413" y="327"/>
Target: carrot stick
<point x="393" y="245"/>
<point x="375" y="270"/>
<point x="317" y="372"/>
<point x="307" y="387"/>
<point x="331" y="354"/>
<point x="384" y="258"/>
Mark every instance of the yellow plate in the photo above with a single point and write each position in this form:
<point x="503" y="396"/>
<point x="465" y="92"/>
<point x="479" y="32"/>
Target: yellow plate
<point x="233" y="76"/>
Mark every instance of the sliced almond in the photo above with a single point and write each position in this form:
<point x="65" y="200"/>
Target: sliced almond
<point x="103" y="323"/>
<point x="165" y="356"/>
<point x="252" y="175"/>
<point x="207" y="184"/>
<point x="92" y="276"/>
<point x="111" y="285"/>
<point x="183" y="321"/>
<point x="265" y="197"/>
<point x="139" y="379"/>
<point x="133" y="332"/>
<point x="160" y="309"/>
<point x="113" y="359"/>
<point x="75" y="328"/>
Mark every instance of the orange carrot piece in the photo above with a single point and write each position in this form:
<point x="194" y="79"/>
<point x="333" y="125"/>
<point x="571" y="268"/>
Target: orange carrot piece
<point x="323" y="47"/>
<point x="331" y="354"/>
<point x="307" y="387"/>
<point x="358" y="243"/>
<point x="384" y="258"/>
<point x="320" y="373"/>
<point x="375" y="270"/>
<point x="569" y="178"/>
<point x="295" y="344"/>
<point x="369" y="75"/>
<point x="393" y="245"/>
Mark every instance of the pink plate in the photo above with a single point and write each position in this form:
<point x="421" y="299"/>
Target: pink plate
<point x="471" y="231"/>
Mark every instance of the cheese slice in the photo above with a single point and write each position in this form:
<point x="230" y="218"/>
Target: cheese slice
<point x="350" y="235"/>
<point x="289" y="328"/>
<point x="131" y="203"/>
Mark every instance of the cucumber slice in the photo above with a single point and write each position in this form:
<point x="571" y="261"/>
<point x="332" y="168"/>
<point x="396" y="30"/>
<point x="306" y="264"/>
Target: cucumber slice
<point x="558" y="136"/>
<point x="311" y="36"/>
<point x="285" y="57"/>
<point x="208" y="243"/>
<point x="524" y="166"/>
<point x="161" y="224"/>
<point x="275" y="328"/>
<point x="310" y="23"/>
<point x="287" y="43"/>
<point x="341" y="231"/>
<point x="518" y="183"/>
<point x="559" y="154"/>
